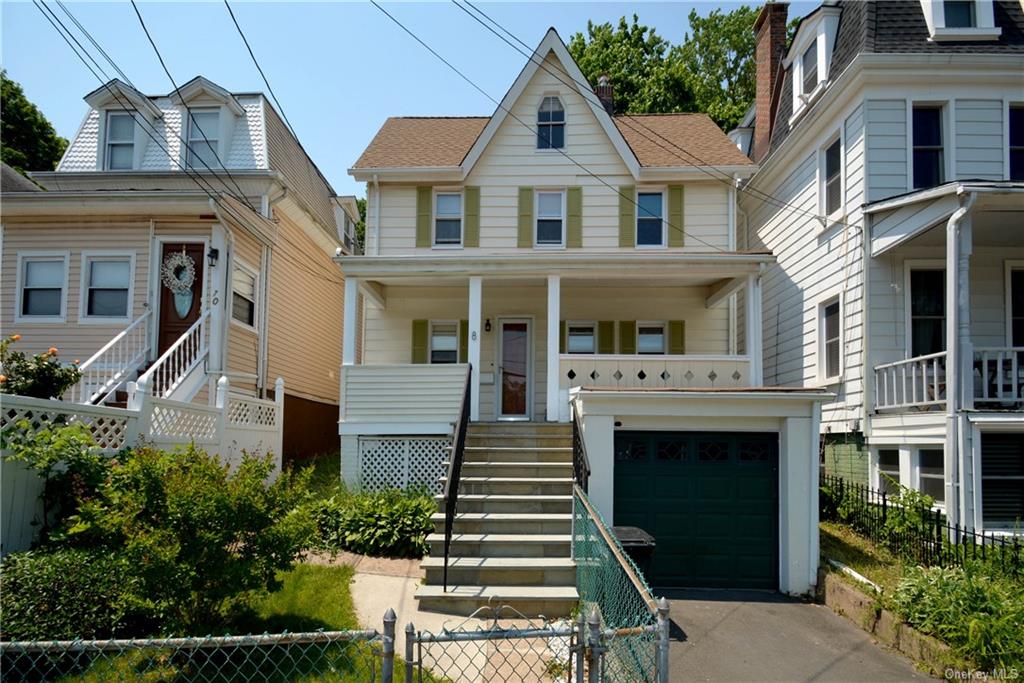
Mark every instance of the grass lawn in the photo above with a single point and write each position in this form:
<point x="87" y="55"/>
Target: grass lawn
<point x="313" y="597"/>
<point x="842" y="544"/>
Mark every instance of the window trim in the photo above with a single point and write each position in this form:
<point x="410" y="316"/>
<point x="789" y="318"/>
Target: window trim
<point x="663" y="191"/>
<point x="83" y="298"/>
<point x="947" y="142"/>
<point x="254" y="272"/>
<point x="839" y="214"/>
<point x="1009" y="266"/>
<point x="565" y="127"/>
<point x="537" y="191"/>
<point x="664" y="336"/>
<point x="462" y="218"/>
<point x="592" y="324"/>
<point x="430" y="341"/>
<point x="215" y="140"/>
<point x="107" y="114"/>
<point x="42" y="255"/>
<point x="909" y="265"/>
<point x="823" y="303"/>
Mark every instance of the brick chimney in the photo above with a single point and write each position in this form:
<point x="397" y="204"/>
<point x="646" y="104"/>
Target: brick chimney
<point x="770" y="46"/>
<point x="606" y="93"/>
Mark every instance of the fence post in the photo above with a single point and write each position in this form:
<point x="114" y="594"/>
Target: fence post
<point x="387" y="667"/>
<point x="663" y="630"/>
<point x="596" y="649"/>
<point x="410" y="636"/>
<point x="138" y="401"/>
<point x="581" y="646"/>
<point x="279" y="422"/>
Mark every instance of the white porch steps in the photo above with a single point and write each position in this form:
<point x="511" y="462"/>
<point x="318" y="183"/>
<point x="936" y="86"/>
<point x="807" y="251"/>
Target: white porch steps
<point x="511" y="540"/>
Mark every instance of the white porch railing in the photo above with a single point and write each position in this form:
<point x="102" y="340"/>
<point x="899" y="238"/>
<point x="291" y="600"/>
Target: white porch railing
<point x="109" y="367"/>
<point x="912" y="383"/>
<point x="660" y="372"/>
<point x="176" y="363"/>
<point x="999" y="375"/>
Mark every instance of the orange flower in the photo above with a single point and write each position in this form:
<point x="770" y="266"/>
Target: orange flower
<point x="3" y="378"/>
<point x="52" y="351"/>
<point x="15" y="337"/>
<point x="76" y="361"/>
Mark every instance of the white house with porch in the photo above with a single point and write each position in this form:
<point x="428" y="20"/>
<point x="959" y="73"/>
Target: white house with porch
<point x="557" y="261"/>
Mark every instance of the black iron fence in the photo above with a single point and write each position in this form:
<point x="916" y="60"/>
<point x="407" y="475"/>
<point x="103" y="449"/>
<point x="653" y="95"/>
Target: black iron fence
<point x="913" y="531"/>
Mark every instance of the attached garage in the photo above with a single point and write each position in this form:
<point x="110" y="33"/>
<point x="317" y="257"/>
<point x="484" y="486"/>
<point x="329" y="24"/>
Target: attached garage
<point x="710" y="499"/>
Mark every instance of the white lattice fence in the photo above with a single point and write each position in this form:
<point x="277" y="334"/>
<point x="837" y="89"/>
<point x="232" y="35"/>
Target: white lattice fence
<point x="113" y="428"/>
<point x="401" y="462"/>
<point x="175" y="423"/>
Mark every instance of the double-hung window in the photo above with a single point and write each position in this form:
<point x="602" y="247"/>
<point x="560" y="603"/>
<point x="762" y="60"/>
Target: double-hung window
<point x="120" y="152"/>
<point x="203" y="131"/>
<point x="889" y="470"/>
<point x="832" y="178"/>
<point x="830" y="340"/>
<point x="1016" y="296"/>
<point x="650" y="338"/>
<point x="243" y="294"/>
<point x="447" y="219"/>
<point x="930" y="463"/>
<point x="809" y="65"/>
<point x="551" y="124"/>
<point x="1017" y="142"/>
<point x="928" y="158"/>
<point x="107" y="286"/>
<point x="581" y="338"/>
<point x="550" y="218"/>
<point x="650" y="224"/>
<point x="444" y="342"/>
<point x="43" y="280"/>
<point x="959" y="13"/>
<point x="927" y="311"/>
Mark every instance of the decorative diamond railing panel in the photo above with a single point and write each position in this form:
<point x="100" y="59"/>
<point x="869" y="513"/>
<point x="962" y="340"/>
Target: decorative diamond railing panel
<point x="653" y="371"/>
<point x="401" y="462"/>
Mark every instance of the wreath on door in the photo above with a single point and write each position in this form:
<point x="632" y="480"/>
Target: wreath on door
<point x="178" y="272"/>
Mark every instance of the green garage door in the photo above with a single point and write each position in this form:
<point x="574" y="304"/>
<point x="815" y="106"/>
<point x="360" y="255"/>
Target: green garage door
<point x="710" y="499"/>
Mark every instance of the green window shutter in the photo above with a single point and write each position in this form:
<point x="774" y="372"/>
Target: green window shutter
<point x="463" y="341"/>
<point x="627" y="216"/>
<point x="525" y="240"/>
<point x="574" y="218"/>
<point x="471" y="210"/>
<point x="606" y="336"/>
<point x="420" y="340"/>
<point x="677" y="337"/>
<point x="627" y="337"/>
<point x="424" y="210"/>
<point x="561" y="336"/>
<point x="676" y="236"/>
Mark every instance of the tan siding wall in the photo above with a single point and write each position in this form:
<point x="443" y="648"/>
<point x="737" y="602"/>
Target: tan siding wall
<point x="306" y="310"/>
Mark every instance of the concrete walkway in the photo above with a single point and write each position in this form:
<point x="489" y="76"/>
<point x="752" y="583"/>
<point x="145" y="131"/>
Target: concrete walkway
<point x="720" y="635"/>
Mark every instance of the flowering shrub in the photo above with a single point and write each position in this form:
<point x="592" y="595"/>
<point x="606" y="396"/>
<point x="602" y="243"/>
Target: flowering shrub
<point x="39" y="376"/>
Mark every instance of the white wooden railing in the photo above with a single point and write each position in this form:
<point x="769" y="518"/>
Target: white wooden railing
<point x="999" y="375"/>
<point x="105" y="371"/>
<point x="178" y="361"/>
<point x="917" y="383"/>
<point x="661" y="372"/>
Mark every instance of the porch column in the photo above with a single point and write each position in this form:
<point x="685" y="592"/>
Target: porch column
<point x="752" y="329"/>
<point x="349" y="331"/>
<point x="475" y="306"/>
<point x="554" y="322"/>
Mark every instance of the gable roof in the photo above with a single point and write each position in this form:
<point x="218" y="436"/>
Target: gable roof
<point x="695" y="140"/>
<point x="422" y="142"/>
<point x="12" y="181"/>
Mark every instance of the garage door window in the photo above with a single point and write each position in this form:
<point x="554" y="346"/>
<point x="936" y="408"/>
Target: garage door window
<point x="713" y="451"/>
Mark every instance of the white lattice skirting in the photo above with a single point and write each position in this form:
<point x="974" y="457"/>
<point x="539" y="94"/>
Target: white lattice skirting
<point x="401" y="462"/>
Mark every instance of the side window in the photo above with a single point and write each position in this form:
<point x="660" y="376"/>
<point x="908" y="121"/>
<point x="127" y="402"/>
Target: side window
<point x="832" y="178"/>
<point x="927" y="311"/>
<point x="42" y="295"/>
<point x="448" y="219"/>
<point x="444" y="342"/>
<point x="650" y="338"/>
<point x="244" y="294"/>
<point x="1017" y="142"/>
<point x="581" y="338"/>
<point x="930" y="462"/>
<point x="889" y="470"/>
<point x="829" y="340"/>
<point x="551" y="124"/>
<point x="650" y="214"/>
<point x="107" y="285"/>
<point x="550" y="219"/>
<point x="928" y="158"/>
<point x="120" y="151"/>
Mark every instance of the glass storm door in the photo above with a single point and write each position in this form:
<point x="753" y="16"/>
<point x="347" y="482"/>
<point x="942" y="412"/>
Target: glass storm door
<point x="514" y="369"/>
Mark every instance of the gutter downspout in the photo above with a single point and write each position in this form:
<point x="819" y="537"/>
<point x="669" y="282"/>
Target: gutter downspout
<point x="734" y="209"/>
<point x="958" y="352"/>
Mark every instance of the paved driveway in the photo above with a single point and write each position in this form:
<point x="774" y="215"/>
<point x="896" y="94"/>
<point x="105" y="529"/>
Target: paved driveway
<point x="722" y="635"/>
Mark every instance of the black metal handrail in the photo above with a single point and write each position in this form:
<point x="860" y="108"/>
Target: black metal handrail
<point x="451" y="484"/>
<point x="580" y="461"/>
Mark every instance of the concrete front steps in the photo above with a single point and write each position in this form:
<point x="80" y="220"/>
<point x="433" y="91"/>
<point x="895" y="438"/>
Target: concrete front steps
<point x="511" y="540"/>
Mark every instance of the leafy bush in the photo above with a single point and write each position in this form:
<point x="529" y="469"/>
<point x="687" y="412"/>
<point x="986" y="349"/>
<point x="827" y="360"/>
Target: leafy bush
<point x="386" y="523"/>
<point x="200" y="538"/>
<point x="981" y="617"/>
<point x="41" y="376"/>
<point x="71" y="593"/>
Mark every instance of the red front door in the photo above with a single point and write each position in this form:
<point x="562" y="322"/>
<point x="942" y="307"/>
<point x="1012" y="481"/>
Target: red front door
<point x="181" y="290"/>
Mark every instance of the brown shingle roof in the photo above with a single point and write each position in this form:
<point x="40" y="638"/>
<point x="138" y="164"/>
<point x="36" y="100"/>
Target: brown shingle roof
<point x="410" y="142"/>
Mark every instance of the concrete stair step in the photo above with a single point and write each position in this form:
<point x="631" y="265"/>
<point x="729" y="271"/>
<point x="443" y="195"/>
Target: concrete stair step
<point x="501" y="545"/>
<point x="510" y="503"/>
<point x="550" y="601"/>
<point x="502" y="571"/>
<point x="528" y="470"/>
<point x="502" y="440"/>
<point x="529" y="454"/>
<point x="514" y="485"/>
<point x="519" y="428"/>
<point x="506" y="522"/>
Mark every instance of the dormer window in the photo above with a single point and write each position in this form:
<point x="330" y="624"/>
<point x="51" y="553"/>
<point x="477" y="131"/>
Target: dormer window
<point x="810" y="69"/>
<point x="551" y="124"/>
<point x="203" y="134"/>
<point x="960" y="20"/>
<point x="809" y="57"/>
<point x="120" y="152"/>
<point x="959" y="13"/>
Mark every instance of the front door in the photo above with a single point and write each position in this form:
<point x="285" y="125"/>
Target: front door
<point x="181" y="290"/>
<point x="514" y="369"/>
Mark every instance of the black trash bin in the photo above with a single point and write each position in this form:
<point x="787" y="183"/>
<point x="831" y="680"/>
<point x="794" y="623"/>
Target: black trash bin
<point x="638" y="544"/>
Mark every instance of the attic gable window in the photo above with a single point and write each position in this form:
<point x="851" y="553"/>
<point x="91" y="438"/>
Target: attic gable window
<point x="551" y="124"/>
<point x="120" y="151"/>
<point x="203" y="131"/>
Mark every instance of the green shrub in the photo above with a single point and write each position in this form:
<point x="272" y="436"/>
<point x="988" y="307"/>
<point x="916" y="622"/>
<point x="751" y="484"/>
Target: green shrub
<point x="41" y="376"/>
<point x="72" y="593"/>
<point x="386" y="523"/>
<point x="981" y="617"/>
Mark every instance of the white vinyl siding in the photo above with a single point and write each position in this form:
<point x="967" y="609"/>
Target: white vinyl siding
<point x="979" y="139"/>
<point x="886" y="148"/>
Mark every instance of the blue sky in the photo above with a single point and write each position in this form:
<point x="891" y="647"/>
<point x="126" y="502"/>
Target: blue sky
<point x="339" y="68"/>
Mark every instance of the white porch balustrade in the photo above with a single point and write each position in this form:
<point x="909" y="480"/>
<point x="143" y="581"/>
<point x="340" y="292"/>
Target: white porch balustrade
<point x="654" y="372"/>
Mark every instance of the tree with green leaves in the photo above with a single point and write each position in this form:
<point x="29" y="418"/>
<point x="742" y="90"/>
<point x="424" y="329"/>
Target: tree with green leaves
<point x="637" y="62"/>
<point x="361" y="225"/>
<point x="28" y="141"/>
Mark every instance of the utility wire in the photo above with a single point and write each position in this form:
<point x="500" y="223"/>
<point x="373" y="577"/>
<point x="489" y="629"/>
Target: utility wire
<point x="509" y="112"/>
<point x="191" y="116"/>
<point x="95" y="44"/>
<point x="701" y="165"/>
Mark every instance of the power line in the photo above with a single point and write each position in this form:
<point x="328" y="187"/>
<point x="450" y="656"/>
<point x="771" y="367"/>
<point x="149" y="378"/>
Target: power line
<point x="191" y="116"/>
<point x="95" y="44"/>
<point x="528" y="127"/>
